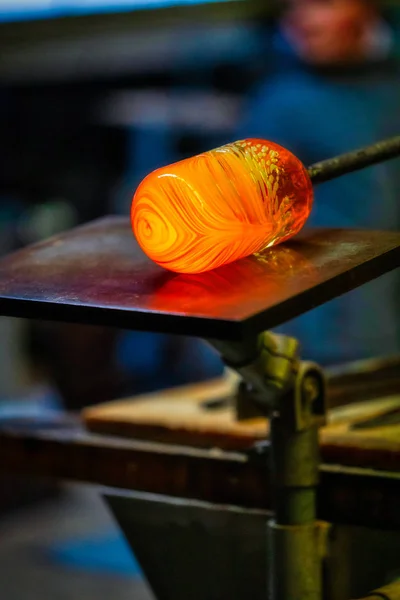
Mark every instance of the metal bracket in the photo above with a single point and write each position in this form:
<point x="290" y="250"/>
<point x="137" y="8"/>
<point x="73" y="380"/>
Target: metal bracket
<point x="271" y="369"/>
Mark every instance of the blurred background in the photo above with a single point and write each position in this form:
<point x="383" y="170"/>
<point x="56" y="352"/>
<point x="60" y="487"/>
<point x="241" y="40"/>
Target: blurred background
<point x="95" y="94"/>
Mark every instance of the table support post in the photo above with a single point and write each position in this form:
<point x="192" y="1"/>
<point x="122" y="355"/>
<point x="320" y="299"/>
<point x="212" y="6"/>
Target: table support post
<point x="291" y="393"/>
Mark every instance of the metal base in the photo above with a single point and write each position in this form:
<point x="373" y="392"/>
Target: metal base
<point x="193" y="550"/>
<point x="295" y="561"/>
<point x="201" y="551"/>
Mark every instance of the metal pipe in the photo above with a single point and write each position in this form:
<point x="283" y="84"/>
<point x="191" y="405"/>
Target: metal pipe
<point x="293" y="535"/>
<point x="354" y="161"/>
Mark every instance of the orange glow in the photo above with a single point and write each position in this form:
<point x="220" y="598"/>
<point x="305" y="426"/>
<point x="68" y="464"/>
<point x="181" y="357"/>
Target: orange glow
<point x="222" y="205"/>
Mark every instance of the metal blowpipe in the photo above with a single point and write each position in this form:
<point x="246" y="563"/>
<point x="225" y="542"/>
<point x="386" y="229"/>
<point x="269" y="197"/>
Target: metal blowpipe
<point x="354" y="161"/>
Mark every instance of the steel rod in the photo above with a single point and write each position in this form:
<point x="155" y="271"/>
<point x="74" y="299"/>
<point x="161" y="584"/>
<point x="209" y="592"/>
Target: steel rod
<point x="354" y="161"/>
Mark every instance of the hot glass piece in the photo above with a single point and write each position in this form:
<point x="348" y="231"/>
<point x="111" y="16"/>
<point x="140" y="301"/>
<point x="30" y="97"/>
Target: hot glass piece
<point x="220" y="206"/>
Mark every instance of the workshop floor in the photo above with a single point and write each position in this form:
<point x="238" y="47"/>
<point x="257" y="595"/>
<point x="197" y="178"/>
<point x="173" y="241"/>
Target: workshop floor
<point x="29" y="569"/>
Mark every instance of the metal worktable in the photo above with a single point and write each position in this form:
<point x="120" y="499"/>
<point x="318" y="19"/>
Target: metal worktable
<point x="97" y="274"/>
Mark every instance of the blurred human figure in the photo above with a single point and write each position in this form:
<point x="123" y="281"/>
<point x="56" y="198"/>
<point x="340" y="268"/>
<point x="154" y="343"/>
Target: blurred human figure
<point x="336" y="87"/>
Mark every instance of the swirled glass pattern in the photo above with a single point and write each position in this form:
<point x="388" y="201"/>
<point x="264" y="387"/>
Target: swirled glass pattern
<point x="220" y="206"/>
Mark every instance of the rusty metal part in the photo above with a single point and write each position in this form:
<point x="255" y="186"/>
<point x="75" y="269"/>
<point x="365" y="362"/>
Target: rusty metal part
<point x="97" y="274"/>
<point x="354" y="161"/>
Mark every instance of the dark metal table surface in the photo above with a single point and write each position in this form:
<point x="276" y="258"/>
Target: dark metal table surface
<point x="97" y="274"/>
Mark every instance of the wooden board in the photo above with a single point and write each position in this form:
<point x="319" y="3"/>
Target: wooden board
<point x="97" y="274"/>
<point x="178" y="416"/>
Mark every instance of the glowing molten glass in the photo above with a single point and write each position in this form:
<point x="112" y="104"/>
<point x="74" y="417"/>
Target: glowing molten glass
<point x="217" y="207"/>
